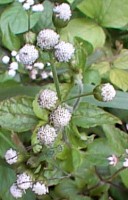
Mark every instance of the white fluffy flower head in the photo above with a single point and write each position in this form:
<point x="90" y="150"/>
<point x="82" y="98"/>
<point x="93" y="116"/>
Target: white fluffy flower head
<point x="24" y="181"/>
<point x="64" y="51"/>
<point x="108" y="92"/>
<point x="46" y="134"/>
<point x="63" y="11"/>
<point x="47" y="39"/>
<point x="60" y="117"/>
<point x="40" y="188"/>
<point x="28" y="54"/>
<point x="11" y="156"/>
<point x="47" y="99"/>
<point x="15" y="191"/>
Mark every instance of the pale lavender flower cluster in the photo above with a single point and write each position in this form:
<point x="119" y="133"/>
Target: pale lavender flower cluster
<point x="59" y="117"/>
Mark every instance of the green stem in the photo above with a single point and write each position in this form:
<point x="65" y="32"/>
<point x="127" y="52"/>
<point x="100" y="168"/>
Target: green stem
<point x="56" y="81"/>
<point x="78" y="96"/>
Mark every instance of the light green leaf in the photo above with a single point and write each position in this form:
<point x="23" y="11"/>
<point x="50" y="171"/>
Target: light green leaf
<point x="117" y="139"/>
<point x="101" y="67"/>
<point x="119" y="78"/>
<point x="40" y="112"/>
<point x="122" y="60"/>
<point x="83" y="49"/>
<point x="88" y="115"/>
<point x="71" y="157"/>
<point x="108" y="13"/>
<point x="85" y="29"/>
<point x="10" y="40"/>
<point x="16" y="114"/>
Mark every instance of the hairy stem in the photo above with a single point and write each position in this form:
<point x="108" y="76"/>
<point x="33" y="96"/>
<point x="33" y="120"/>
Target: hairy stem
<point x="56" y="81"/>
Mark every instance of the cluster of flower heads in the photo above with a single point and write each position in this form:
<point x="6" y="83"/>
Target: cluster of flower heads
<point x="48" y="39"/>
<point x="27" y="56"/>
<point x="59" y="117"/>
<point x="30" y="4"/>
<point x="24" y="180"/>
<point x="114" y="160"/>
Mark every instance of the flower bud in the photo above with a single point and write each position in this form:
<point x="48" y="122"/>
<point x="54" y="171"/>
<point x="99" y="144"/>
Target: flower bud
<point x="104" y="92"/>
<point x="61" y="15"/>
<point x="30" y="37"/>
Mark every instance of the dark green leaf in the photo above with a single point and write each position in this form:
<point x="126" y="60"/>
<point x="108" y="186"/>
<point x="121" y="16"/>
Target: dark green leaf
<point x="5" y="142"/>
<point x="88" y="115"/>
<point x="5" y="1"/>
<point x="10" y="40"/>
<point x="117" y="139"/>
<point x="16" y="114"/>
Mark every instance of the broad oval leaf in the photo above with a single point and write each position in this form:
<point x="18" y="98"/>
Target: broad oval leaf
<point x="108" y="13"/>
<point x="17" y="18"/>
<point x="85" y="29"/>
<point x="88" y="115"/>
<point x="16" y="114"/>
<point x="119" y="78"/>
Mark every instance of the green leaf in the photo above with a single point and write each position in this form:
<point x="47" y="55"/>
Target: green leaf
<point x="16" y="114"/>
<point x="110" y="13"/>
<point x="119" y="78"/>
<point x="117" y="139"/>
<point x="101" y="67"/>
<point x="5" y="1"/>
<point x="97" y="157"/>
<point x="40" y="112"/>
<point x="10" y="40"/>
<point x="92" y="77"/>
<point x="5" y="142"/>
<point x="66" y="189"/>
<point x="71" y="158"/>
<point x="85" y="29"/>
<point x="16" y="17"/>
<point x="122" y="60"/>
<point x="34" y="141"/>
<point x="83" y="49"/>
<point x="88" y="115"/>
<point x="124" y="177"/>
<point x="7" y="178"/>
<point x="46" y="17"/>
